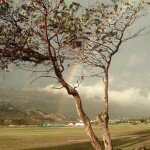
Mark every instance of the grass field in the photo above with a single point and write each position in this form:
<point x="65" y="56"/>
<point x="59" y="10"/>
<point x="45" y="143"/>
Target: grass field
<point x="125" y="137"/>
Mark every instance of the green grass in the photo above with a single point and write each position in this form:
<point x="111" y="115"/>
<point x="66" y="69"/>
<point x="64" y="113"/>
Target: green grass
<point x="125" y="137"/>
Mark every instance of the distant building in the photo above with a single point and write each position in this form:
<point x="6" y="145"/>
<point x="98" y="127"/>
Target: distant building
<point x="79" y="123"/>
<point x="93" y="121"/>
<point x="53" y="125"/>
<point x="70" y="124"/>
<point x="11" y="125"/>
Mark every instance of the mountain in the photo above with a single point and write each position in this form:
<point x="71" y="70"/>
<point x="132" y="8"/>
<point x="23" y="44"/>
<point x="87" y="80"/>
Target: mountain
<point x="44" y="101"/>
<point x="52" y="103"/>
<point x="10" y="114"/>
<point x="23" y="115"/>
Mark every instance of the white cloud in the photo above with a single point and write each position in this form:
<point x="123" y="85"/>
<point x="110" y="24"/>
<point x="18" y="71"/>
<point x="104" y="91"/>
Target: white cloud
<point x="130" y="96"/>
<point x="149" y="96"/>
<point x="127" y="96"/>
<point x="112" y="78"/>
<point x="135" y="60"/>
<point x="92" y="91"/>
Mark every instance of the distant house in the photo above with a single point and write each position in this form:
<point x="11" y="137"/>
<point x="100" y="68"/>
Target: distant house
<point x="53" y="124"/>
<point x="93" y="121"/>
<point x="79" y="123"/>
<point x="11" y="125"/>
<point x="70" y="124"/>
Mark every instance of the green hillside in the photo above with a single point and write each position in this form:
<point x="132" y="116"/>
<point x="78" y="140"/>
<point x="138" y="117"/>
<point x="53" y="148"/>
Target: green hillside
<point x="52" y="103"/>
<point x="12" y="114"/>
<point x="39" y="100"/>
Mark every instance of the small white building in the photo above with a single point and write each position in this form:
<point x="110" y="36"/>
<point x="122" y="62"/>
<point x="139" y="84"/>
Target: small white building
<point x="11" y="125"/>
<point x="79" y="123"/>
<point x="70" y="124"/>
<point x="93" y="121"/>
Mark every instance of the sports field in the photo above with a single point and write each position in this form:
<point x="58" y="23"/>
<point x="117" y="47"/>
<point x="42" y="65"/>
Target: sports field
<point x="125" y="137"/>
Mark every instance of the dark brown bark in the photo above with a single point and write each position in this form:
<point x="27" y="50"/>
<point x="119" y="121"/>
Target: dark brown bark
<point x="87" y="125"/>
<point x="105" y="133"/>
<point x="71" y="91"/>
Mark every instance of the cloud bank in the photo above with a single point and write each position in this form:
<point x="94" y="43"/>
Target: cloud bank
<point x="129" y="96"/>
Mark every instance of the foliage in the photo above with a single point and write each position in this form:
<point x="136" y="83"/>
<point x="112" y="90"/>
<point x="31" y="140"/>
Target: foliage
<point x="105" y="27"/>
<point x="49" y="34"/>
<point x="27" y="30"/>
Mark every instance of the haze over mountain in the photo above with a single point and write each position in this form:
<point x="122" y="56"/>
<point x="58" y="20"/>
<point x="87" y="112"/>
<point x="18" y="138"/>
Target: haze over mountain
<point x="129" y="83"/>
<point x="58" y="103"/>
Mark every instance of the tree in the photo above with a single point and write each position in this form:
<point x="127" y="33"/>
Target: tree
<point x="34" y="37"/>
<point x="49" y="37"/>
<point x="102" y="35"/>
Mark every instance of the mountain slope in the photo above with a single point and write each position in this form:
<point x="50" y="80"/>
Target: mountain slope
<point x="53" y="103"/>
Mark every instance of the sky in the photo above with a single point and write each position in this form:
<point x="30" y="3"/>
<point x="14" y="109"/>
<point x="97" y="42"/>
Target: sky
<point x="129" y="74"/>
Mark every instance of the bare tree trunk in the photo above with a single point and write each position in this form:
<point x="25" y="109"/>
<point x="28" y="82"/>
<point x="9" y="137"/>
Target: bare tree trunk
<point x="71" y="91"/>
<point x="104" y="117"/>
<point x="87" y="125"/>
<point x="106" y="100"/>
<point x="105" y="133"/>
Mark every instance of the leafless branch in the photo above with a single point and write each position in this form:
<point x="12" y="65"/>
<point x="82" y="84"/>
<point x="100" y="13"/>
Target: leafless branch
<point x="43" y="76"/>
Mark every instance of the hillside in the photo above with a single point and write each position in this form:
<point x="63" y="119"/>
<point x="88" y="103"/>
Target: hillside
<point x="43" y="101"/>
<point x="10" y="114"/>
<point x="52" y="103"/>
<point x="21" y="115"/>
